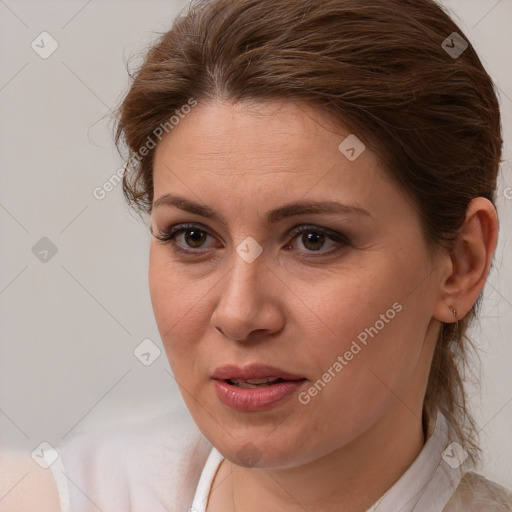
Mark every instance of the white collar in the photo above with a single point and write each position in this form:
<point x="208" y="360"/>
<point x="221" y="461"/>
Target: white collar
<point x="427" y="485"/>
<point x="430" y="481"/>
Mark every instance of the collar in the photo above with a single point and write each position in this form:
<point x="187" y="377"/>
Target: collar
<point x="430" y="481"/>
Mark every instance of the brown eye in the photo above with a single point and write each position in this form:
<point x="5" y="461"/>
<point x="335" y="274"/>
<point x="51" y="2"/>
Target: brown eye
<point x="194" y="238"/>
<point x="317" y="240"/>
<point x="313" y="241"/>
<point x="184" y="238"/>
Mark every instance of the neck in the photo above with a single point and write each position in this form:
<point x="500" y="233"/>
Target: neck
<point x="351" y="478"/>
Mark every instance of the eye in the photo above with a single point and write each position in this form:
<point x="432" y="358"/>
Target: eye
<point x="191" y="235"/>
<point x="188" y="238"/>
<point x="315" y="238"/>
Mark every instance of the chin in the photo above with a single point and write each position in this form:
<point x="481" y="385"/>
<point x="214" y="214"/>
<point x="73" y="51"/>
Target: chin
<point x="258" y="446"/>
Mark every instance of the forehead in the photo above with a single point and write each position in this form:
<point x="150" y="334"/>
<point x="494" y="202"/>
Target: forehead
<point x="250" y="139"/>
<point x="254" y="153"/>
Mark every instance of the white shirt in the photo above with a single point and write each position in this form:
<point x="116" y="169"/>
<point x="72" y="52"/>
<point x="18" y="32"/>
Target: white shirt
<point x="167" y="465"/>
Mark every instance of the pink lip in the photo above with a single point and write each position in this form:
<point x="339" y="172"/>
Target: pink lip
<point x="254" y="399"/>
<point x="252" y="371"/>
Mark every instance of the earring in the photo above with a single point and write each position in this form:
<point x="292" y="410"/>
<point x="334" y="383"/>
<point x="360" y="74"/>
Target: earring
<point x="455" y="333"/>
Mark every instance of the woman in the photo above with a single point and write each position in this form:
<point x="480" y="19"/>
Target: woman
<point x="320" y="178"/>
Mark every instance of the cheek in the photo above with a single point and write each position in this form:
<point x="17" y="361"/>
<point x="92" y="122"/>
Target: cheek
<point x="160" y="283"/>
<point x="371" y="304"/>
<point x="344" y="304"/>
<point x="375" y="322"/>
<point x="170" y="304"/>
<point x="180" y="303"/>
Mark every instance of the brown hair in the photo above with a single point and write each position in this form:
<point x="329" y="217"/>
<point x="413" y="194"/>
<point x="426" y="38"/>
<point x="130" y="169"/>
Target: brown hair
<point x="380" y="68"/>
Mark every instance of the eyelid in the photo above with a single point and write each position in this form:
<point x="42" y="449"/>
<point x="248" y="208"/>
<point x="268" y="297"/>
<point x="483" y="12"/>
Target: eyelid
<point x="168" y="236"/>
<point x="304" y="228"/>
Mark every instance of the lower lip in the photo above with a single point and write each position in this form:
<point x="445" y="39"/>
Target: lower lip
<point x="255" y="399"/>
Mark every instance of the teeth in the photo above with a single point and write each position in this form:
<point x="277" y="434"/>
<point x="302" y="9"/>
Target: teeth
<point x="252" y="383"/>
<point x="260" y="381"/>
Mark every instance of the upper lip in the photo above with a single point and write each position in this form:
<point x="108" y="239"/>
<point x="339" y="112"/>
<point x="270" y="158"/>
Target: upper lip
<point x="252" y="371"/>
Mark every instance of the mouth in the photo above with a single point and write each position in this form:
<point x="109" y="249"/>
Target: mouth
<point x="253" y="375"/>
<point x="255" y="387"/>
<point x="254" y="383"/>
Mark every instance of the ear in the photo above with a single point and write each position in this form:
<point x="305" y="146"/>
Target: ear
<point x="470" y="262"/>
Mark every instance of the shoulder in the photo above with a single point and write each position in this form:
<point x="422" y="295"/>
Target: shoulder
<point x="150" y="465"/>
<point x="24" y="486"/>
<point x="475" y="493"/>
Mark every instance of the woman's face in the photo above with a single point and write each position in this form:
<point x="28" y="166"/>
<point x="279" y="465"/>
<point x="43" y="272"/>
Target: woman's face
<point x="337" y="303"/>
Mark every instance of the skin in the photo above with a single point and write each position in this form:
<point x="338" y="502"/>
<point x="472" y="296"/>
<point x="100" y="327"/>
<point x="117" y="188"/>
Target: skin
<point x="24" y="486"/>
<point x="299" y="309"/>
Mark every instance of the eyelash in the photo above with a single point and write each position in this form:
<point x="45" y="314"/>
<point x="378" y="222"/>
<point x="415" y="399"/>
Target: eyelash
<point x="169" y="236"/>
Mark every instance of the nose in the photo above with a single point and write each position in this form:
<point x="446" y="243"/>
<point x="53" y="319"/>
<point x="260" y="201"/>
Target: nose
<point x="249" y="305"/>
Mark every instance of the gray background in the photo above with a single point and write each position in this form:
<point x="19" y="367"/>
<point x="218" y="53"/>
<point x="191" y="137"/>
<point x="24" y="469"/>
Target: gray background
<point x="69" y="325"/>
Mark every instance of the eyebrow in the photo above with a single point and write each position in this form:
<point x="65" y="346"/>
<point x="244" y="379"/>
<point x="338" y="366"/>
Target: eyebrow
<point x="274" y="216"/>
